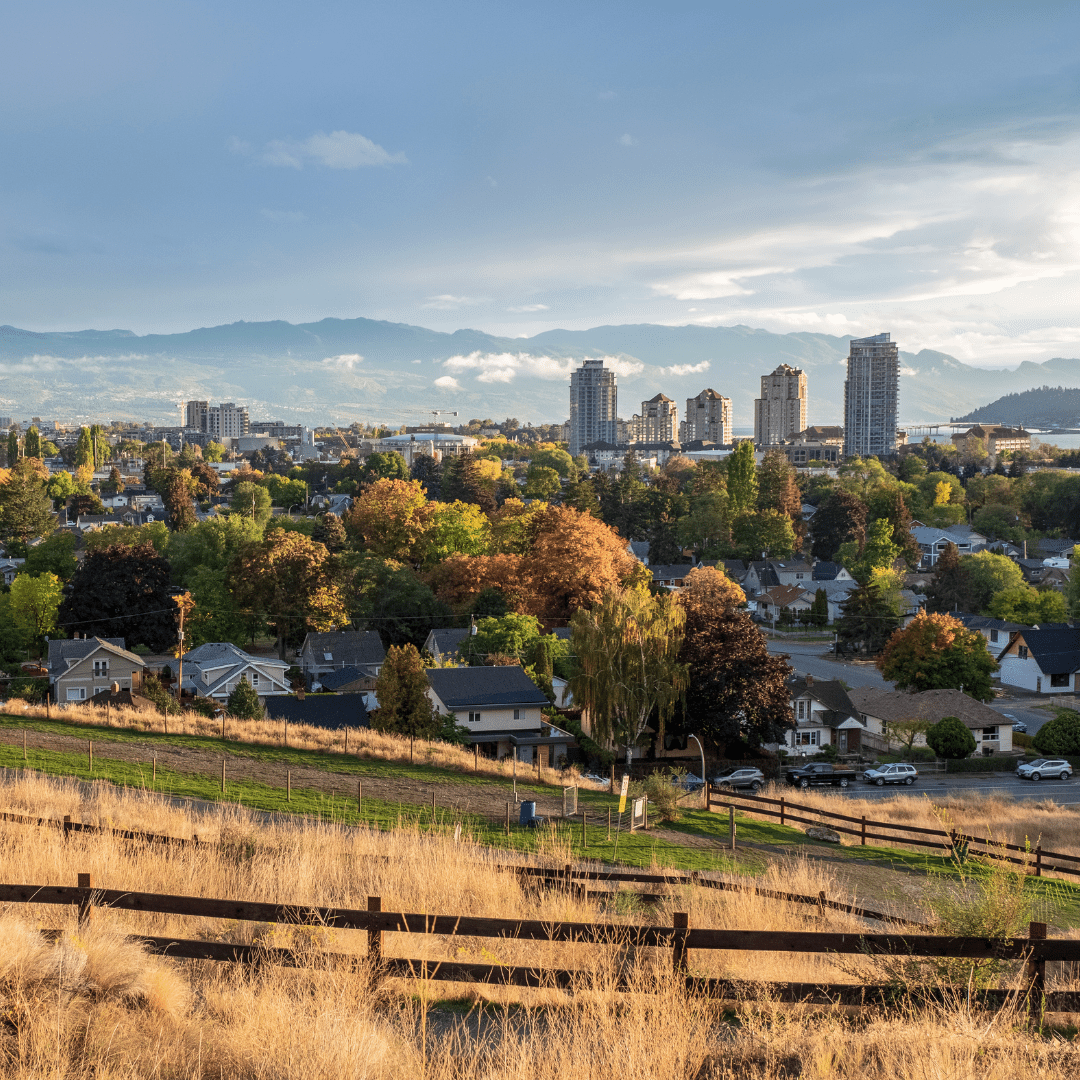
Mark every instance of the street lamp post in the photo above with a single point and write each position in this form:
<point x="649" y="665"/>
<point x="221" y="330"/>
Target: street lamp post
<point x="705" y="783"/>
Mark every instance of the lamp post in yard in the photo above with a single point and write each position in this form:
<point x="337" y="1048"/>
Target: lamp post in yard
<point x="704" y="782"/>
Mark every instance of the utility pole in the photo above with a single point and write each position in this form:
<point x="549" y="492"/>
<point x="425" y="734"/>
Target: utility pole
<point x="185" y="603"/>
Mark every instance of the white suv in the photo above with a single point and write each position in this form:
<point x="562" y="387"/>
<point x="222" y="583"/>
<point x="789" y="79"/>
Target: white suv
<point x="891" y="774"/>
<point x="1057" y="768"/>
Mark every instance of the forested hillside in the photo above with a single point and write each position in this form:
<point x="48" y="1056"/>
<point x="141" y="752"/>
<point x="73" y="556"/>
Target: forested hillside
<point x="1043" y="407"/>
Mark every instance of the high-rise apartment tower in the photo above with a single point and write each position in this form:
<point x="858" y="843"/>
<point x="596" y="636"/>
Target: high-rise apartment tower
<point x="708" y="418"/>
<point x="593" y="405"/>
<point x="225" y="421"/>
<point x="870" y="397"/>
<point x="780" y="412"/>
<point x="657" y="422"/>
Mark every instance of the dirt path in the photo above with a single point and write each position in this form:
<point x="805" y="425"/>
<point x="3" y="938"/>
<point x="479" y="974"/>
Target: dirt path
<point x="485" y="799"/>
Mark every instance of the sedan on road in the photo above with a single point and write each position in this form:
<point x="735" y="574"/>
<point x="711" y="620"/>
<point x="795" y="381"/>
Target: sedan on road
<point x="891" y="774"/>
<point x="1052" y="768"/>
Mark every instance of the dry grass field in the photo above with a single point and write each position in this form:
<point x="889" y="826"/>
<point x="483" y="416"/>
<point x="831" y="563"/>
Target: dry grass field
<point x="95" y="1005"/>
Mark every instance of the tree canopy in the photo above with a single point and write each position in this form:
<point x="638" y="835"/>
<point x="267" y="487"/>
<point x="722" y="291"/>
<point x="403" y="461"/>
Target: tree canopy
<point x="937" y="652"/>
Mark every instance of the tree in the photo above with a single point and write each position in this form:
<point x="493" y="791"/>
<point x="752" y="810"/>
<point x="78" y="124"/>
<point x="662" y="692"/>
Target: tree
<point x="285" y="492"/>
<point x="542" y="482"/>
<point x="706" y="528"/>
<point x="867" y="620"/>
<point x="177" y="489"/>
<point x="777" y="487"/>
<point x="899" y="517"/>
<point x="509" y="635"/>
<point x="950" y="589"/>
<point x="331" y="533"/>
<point x="244" y="701"/>
<point x="878" y="552"/>
<point x="937" y="652"/>
<point x="383" y="465"/>
<point x="819" y="609"/>
<point x="988" y="575"/>
<point x="906" y="731"/>
<point x="34" y="602"/>
<point x="763" y="534"/>
<point x="216" y="615"/>
<point x="212" y="544"/>
<point x="251" y="500"/>
<point x="54" y="555"/>
<point x="427" y="472"/>
<point x="950" y="738"/>
<point x="84" y="450"/>
<point x="61" y="486"/>
<point x="206" y="480"/>
<point x="839" y="519"/>
<point x="627" y="650"/>
<point x="214" y="452"/>
<point x="1060" y="736"/>
<point x="462" y="480"/>
<point x="12" y="447"/>
<point x="389" y="519"/>
<point x="392" y="599"/>
<point x="288" y="577"/>
<point x="736" y="688"/>
<point x="404" y="705"/>
<point x="84" y="503"/>
<point x="1029" y="606"/>
<point x="32" y="443"/>
<point x="742" y="481"/>
<point x="25" y="508"/>
<point x="121" y="591"/>
<point x="456" y="528"/>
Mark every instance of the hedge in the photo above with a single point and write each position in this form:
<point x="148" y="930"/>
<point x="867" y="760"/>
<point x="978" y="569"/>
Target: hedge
<point x="980" y="764"/>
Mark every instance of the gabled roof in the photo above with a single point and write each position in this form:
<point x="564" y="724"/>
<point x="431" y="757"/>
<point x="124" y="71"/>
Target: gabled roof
<point x="673" y="571"/>
<point x="333" y="711"/>
<point x="1056" y="650"/>
<point x="784" y="595"/>
<point x="985" y="622"/>
<point x="639" y="549"/>
<point x="351" y="648"/>
<point x="830" y="693"/>
<point x="932" y="705"/>
<point x="826" y="571"/>
<point x="339" y="677"/>
<point x="1055" y="547"/>
<point x="64" y="654"/>
<point x="448" y="639"/>
<point x="458" y="688"/>
<point x="790" y="565"/>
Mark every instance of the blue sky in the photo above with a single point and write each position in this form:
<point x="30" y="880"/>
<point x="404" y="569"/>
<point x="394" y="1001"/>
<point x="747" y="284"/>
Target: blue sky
<point x="836" y="167"/>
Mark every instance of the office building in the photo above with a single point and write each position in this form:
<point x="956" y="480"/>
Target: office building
<point x="780" y="412"/>
<point x="658" y="421"/>
<point x="225" y="421"/>
<point x="870" y="397"/>
<point x="593" y="415"/>
<point x="708" y="419"/>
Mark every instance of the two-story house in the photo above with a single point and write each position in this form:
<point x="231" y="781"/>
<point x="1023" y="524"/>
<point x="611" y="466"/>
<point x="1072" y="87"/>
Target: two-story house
<point x="824" y="715"/>
<point x="1044" y="660"/>
<point x="933" y="541"/>
<point x="781" y="598"/>
<point x="997" y="632"/>
<point x="85" y="666"/>
<point x="322" y="653"/>
<point x="444" y="643"/>
<point x="213" y="670"/>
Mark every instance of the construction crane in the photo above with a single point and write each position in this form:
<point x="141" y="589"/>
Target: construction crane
<point x="436" y="413"/>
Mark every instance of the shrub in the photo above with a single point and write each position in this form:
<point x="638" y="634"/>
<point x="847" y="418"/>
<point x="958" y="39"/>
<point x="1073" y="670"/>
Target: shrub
<point x="1059" y="736"/>
<point x="950" y="738"/>
<point x="1021" y="740"/>
<point x="978" y="764"/>
<point x="244" y="702"/>
<point x="156" y="692"/>
<point x="663" y="789"/>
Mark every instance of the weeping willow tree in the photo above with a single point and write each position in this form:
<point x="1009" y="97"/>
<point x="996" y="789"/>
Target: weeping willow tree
<point x="627" y="649"/>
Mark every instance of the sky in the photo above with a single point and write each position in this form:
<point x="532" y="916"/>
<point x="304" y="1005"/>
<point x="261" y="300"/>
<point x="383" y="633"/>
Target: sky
<point x="845" y="168"/>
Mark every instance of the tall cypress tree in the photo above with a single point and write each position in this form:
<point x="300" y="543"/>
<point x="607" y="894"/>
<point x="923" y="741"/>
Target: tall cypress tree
<point x="12" y="447"/>
<point x="32" y="443"/>
<point x="404" y="705"/>
<point x="950" y="589"/>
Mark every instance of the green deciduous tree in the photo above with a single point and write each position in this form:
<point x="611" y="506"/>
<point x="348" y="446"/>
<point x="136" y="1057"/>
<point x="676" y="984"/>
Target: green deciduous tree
<point x="32" y="443"/>
<point x="383" y="465"/>
<point x="950" y="738"/>
<point x="25" y="508"/>
<point x="214" y="452"/>
<point x="243" y="702"/>
<point x="937" y="652"/>
<point x="508" y="635"/>
<point x="1060" y="736"/>
<point x="628" y="669"/>
<point x="54" y="555"/>
<point x="34" y="602"/>
<point x="251" y="500"/>
<point x="839" y="519"/>
<point x="1028" y="606"/>
<point x="404" y="705"/>
<point x="763" y="534"/>
<point x="742" y="481"/>
<point x="542" y="482"/>
<point x="392" y="599"/>
<point x="177" y="489"/>
<point x="12" y="447"/>
<point x="212" y="544"/>
<point x="456" y="528"/>
<point x="878" y="552"/>
<point x="988" y="575"/>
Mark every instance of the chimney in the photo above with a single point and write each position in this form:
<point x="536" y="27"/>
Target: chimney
<point x="809" y="681"/>
<point x="300" y="694"/>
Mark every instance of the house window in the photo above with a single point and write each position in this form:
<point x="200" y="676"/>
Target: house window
<point x="993" y="635"/>
<point x="517" y="714"/>
<point x="990" y="733"/>
<point x="254" y="678"/>
<point x="474" y="718"/>
<point x="101" y="668"/>
<point x="806" y="738"/>
<point x="328" y="656"/>
<point x="76" y="693"/>
<point x="802" y="710"/>
<point x="1022" y="652"/>
<point x="1059" y="680"/>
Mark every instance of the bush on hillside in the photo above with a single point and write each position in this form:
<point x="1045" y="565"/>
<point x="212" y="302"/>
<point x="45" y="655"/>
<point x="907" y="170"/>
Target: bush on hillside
<point x="950" y="738"/>
<point x="1061" y="736"/>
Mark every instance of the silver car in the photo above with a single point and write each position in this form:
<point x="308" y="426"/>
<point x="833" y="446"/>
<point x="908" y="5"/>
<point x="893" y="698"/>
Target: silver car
<point x="731" y="779"/>
<point x="1053" y="768"/>
<point x="891" y="774"/>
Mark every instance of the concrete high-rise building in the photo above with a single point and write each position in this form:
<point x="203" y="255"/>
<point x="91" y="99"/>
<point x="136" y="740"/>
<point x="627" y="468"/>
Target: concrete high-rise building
<point x="658" y="421"/>
<point x="225" y="421"/>
<point x="708" y="419"/>
<point x="870" y="397"/>
<point x="195" y="414"/>
<point x="780" y="412"/>
<point x="593" y="406"/>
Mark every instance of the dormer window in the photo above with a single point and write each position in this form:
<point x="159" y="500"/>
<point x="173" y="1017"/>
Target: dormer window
<point x="254" y="678"/>
<point x="802" y="709"/>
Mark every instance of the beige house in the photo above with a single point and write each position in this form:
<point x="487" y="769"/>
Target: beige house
<point x="83" y="667"/>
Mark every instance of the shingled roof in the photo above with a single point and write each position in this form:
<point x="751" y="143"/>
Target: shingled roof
<point x="932" y="705"/>
<point x="1056" y="650"/>
<point x="459" y="688"/>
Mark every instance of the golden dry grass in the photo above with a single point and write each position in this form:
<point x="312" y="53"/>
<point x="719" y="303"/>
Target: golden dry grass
<point x="95" y="1005"/>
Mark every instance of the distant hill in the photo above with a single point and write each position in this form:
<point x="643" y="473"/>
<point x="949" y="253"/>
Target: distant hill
<point x="341" y="370"/>
<point x="1043" y="407"/>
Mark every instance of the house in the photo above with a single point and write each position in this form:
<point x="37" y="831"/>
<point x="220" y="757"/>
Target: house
<point x="1045" y="660"/>
<point x="1055" y="549"/>
<point x="322" y="653"/>
<point x="783" y="597"/>
<point x="445" y="644"/>
<point x="996" y="631"/>
<point x="334" y="503"/>
<point x="879" y="708"/>
<point x="500" y="706"/>
<point x="792" y="572"/>
<point x="85" y="666"/>
<point x="759" y="577"/>
<point x="671" y="576"/>
<point x="933" y="541"/>
<point x="734" y="568"/>
<point x="640" y="550"/>
<point x="825" y="715"/>
<point x="831" y="571"/>
<point x="346" y="680"/>
<point x="214" y="669"/>
<point x="9" y="568"/>
<point x="331" y="711"/>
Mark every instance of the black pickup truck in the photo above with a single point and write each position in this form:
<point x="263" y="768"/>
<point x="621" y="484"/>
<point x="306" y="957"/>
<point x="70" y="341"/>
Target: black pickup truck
<point x="819" y="773"/>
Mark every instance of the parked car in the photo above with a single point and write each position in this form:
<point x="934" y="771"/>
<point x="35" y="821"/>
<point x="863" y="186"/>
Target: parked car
<point x="1018" y="725"/>
<point x="733" y="779"/>
<point x="689" y="783"/>
<point x="603" y="781"/>
<point x="1052" y="768"/>
<point x="891" y="774"/>
<point x="819" y="773"/>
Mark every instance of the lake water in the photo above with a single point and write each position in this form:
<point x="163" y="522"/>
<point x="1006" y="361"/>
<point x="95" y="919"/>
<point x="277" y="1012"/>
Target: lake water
<point x="1066" y="442"/>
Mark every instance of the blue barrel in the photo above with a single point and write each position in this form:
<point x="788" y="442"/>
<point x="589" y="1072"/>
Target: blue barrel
<point x="528" y="812"/>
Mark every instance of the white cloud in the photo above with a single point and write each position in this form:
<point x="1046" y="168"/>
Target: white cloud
<point x="344" y="362"/>
<point x="284" y="217"/>
<point x="447" y="302"/>
<point x="338" y="150"/>
<point x="529" y="307"/>
<point x="628" y="140"/>
<point x="447" y="382"/>
<point x="686" y="369"/>
<point x="506" y="367"/>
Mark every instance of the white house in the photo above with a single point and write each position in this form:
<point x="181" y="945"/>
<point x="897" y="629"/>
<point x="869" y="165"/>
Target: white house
<point x="824" y="715"/>
<point x="1046" y="661"/>
<point x="214" y="669"/>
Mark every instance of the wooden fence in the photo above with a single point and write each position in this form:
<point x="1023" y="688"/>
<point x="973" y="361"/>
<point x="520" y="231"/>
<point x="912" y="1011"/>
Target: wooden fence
<point x="1034" y="859"/>
<point x="1036" y="950"/>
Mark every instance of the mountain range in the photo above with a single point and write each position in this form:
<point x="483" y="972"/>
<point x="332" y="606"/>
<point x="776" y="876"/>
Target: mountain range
<point x="341" y="370"/>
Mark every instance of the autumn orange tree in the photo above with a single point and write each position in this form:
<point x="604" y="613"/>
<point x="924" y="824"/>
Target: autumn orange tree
<point x="937" y="652"/>
<point x="288" y="578"/>
<point x="389" y="519"/>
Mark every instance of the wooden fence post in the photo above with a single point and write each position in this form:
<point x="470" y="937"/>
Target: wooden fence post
<point x="731" y="826"/>
<point x="507" y="819"/>
<point x="222" y="725"/>
<point x="681" y="922"/>
<point x="863" y="838"/>
<point x="584" y="834"/>
<point x="781" y="809"/>
<point x="609" y="824"/>
<point x="1038" y="860"/>
<point x="475" y="757"/>
<point x="359" y="795"/>
<point x="346" y="738"/>
<point x="24" y="744"/>
<point x="1036" y="976"/>
<point x="374" y="937"/>
<point x="86" y="909"/>
<point x="286" y="728"/>
<point x="153" y="782"/>
<point x="611" y="790"/>
<point x="222" y="776"/>
<point x="288" y="785"/>
<point x="67" y="826"/>
<point x="90" y="753"/>
<point x="433" y="806"/>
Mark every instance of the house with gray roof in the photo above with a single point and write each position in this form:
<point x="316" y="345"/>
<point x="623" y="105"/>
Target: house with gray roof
<point x="1045" y="660"/>
<point x="322" y="653"/>
<point x="332" y="711"/>
<point x="933" y="541"/>
<point x="997" y="632"/>
<point x="214" y="669"/>
<point x="824" y="715"/>
<point x="444" y="643"/>
<point x="671" y="576"/>
<point x="82" y="667"/>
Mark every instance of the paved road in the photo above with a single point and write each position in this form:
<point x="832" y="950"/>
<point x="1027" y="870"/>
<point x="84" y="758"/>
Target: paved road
<point x="937" y="785"/>
<point x="812" y="658"/>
